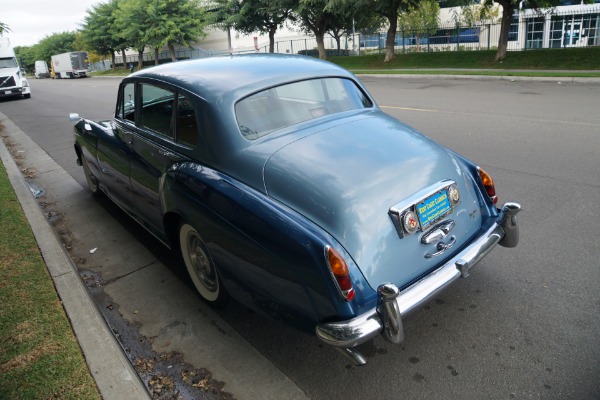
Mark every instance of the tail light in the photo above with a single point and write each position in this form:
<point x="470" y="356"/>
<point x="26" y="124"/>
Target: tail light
<point x="488" y="184"/>
<point x="340" y="273"/>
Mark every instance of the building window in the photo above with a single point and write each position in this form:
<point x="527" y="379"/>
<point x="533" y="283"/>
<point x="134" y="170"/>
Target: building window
<point x="577" y="30"/>
<point x="534" y="36"/>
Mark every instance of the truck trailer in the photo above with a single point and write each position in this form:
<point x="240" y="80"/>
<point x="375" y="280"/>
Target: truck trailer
<point x="12" y="80"/>
<point x="70" y="65"/>
<point x="41" y="69"/>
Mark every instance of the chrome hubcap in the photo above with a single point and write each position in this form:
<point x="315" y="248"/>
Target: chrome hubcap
<point x="200" y="263"/>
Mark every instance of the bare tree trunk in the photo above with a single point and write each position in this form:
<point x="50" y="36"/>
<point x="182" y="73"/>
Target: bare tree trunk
<point x="391" y="39"/>
<point x="113" y="56"/>
<point x="172" y="51"/>
<point x="321" y="46"/>
<point x="229" y="48"/>
<point x="124" y="58"/>
<point x="140" y="59"/>
<point x="272" y="31"/>
<point x="507" y="10"/>
<point x="156" y="56"/>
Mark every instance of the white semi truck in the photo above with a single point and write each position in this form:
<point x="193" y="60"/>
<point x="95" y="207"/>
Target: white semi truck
<point x="70" y="65"/>
<point x="12" y="81"/>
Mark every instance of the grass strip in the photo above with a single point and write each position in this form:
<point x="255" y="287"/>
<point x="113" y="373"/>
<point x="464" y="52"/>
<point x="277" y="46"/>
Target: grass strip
<point x="545" y="74"/>
<point x="578" y="62"/>
<point x="39" y="355"/>
<point x="576" y="59"/>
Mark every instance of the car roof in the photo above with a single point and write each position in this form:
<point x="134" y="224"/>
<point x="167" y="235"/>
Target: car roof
<point x="214" y="78"/>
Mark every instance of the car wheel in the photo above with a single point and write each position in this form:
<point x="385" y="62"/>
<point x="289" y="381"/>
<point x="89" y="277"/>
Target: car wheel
<point x="28" y="95"/>
<point x="200" y="267"/>
<point x="90" y="178"/>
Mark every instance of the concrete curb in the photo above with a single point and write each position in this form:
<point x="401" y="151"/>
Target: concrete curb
<point x="112" y="371"/>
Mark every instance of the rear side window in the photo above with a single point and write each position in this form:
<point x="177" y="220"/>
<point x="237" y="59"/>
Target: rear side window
<point x="158" y="108"/>
<point x="187" y="124"/>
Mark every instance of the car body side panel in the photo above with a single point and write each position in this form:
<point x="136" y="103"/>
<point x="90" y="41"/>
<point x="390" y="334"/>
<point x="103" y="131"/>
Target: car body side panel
<point x="270" y="258"/>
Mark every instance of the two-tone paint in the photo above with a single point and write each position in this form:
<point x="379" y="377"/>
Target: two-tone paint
<point x="267" y="208"/>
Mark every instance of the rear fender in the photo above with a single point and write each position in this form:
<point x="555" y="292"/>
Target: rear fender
<point x="277" y="265"/>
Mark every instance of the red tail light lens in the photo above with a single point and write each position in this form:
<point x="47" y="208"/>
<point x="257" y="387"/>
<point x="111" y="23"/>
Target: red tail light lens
<point x="340" y="272"/>
<point x="488" y="184"/>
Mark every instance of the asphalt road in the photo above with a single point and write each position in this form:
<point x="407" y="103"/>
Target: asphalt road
<point x="523" y="325"/>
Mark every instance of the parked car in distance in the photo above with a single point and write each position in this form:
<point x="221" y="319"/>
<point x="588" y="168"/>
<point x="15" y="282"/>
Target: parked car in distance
<point x="284" y="186"/>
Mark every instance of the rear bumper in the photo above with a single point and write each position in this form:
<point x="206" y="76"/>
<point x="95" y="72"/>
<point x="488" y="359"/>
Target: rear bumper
<point x="386" y="318"/>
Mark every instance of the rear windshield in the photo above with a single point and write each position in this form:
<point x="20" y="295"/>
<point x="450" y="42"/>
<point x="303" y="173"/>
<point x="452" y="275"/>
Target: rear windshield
<point x="286" y="105"/>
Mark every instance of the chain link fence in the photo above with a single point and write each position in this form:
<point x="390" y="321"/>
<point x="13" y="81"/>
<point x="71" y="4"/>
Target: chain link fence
<point x="529" y="29"/>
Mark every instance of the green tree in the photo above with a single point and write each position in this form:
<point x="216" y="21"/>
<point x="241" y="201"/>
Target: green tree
<point x="421" y="19"/>
<point x="224" y="14"/>
<point x="56" y="43"/>
<point x="390" y="10"/>
<point x="508" y="9"/>
<point x="3" y="28"/>
<point x="176" y="22"/>
<point x="264" y="16"/>
<point x="131" y="20"/>
<point x="101" y="32"/>
<point x="351" y="16"/>
<point x="316" y="17"/>
<point x="473" y="14"/>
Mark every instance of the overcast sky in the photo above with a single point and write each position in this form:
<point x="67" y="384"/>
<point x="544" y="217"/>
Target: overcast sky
<point x="30" y="21"/>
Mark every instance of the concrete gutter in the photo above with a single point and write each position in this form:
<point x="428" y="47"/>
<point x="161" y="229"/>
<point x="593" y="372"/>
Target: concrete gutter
<point x="112" y="371"/>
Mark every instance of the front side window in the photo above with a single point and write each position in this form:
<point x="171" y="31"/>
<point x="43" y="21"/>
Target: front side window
<point x="126" y="105"/>
<point x="290" y="104"/>
<point x="158" y="106"/>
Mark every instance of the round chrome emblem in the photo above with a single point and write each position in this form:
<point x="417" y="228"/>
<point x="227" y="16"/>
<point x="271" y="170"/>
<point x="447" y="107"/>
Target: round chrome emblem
<point x="454" y="195"/>
<point x="410" y="222"/>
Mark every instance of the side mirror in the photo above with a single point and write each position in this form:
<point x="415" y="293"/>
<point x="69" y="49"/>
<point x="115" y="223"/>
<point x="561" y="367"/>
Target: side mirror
<point x="74" y="117"/>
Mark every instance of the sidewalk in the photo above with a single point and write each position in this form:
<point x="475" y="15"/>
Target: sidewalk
<point x="110" y="368"/>
<point x="247" y="373"/>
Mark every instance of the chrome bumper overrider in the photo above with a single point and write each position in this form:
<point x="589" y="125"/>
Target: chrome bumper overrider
<point x="386" y="318"/>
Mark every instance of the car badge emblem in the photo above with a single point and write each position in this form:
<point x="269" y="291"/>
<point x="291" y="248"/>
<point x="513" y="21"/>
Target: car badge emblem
<point x="410" y="222"/>
<point x="454" y="194"/>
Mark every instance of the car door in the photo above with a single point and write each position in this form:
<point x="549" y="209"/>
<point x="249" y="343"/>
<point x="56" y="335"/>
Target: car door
<point x="114" y="151"/>
<point x="167" y="128"/>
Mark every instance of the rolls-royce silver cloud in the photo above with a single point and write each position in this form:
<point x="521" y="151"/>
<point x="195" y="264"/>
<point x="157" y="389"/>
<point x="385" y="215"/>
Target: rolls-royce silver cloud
<point x="284" y="186"/>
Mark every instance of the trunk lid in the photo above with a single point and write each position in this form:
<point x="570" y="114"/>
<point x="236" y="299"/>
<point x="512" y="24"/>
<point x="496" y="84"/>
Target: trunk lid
<point x="345" y="178"/>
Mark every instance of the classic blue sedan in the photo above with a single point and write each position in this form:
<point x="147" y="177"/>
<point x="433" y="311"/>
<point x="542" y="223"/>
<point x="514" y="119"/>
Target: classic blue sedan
<point x="284" y="186"/>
